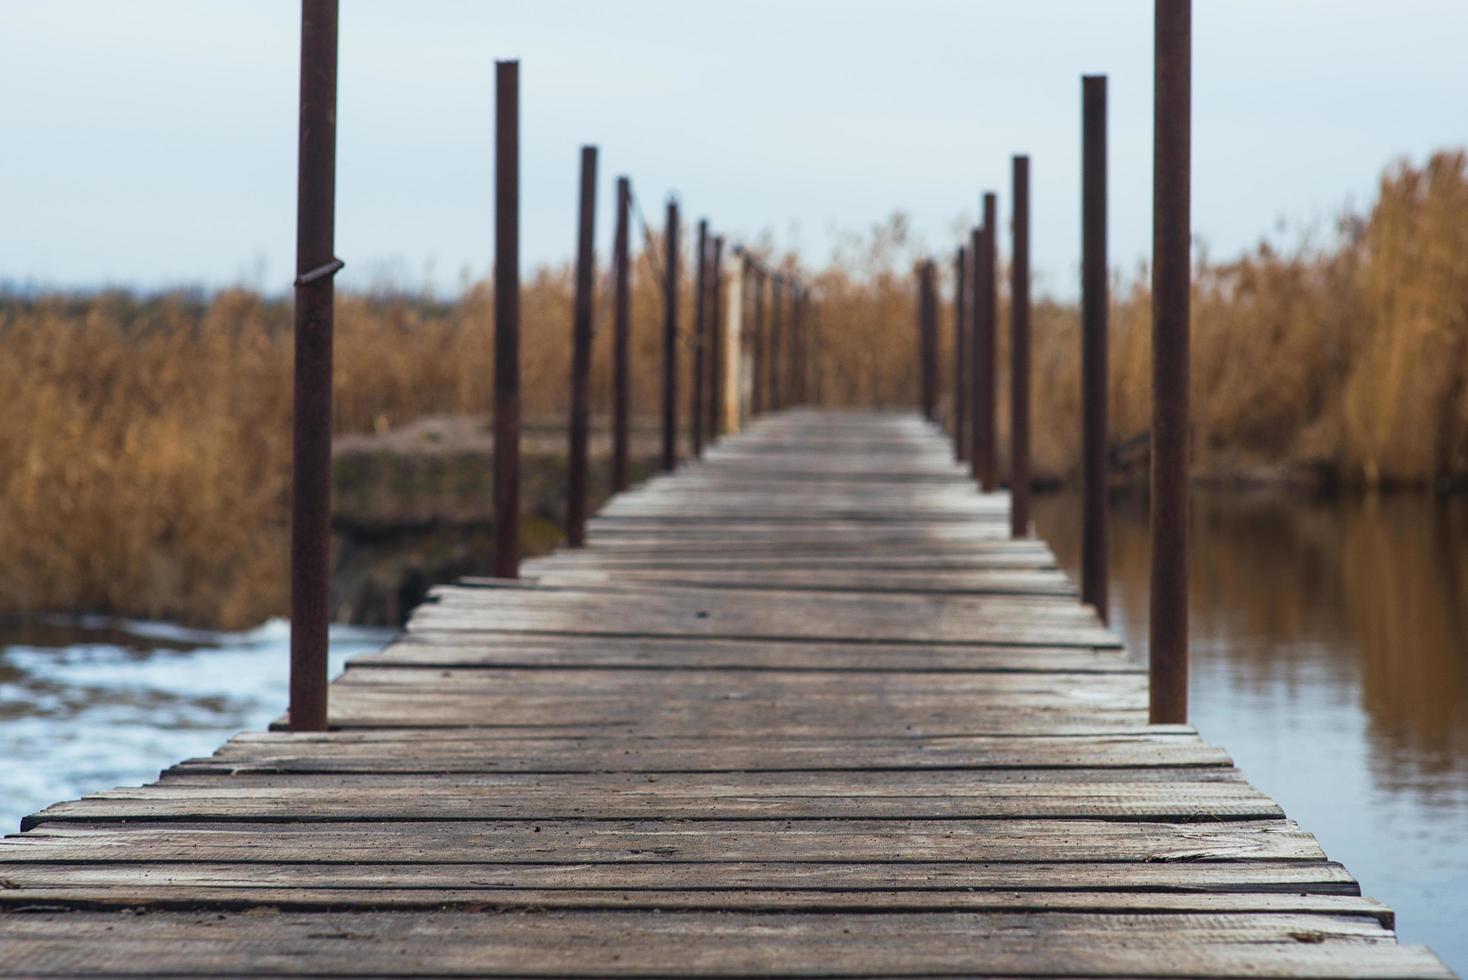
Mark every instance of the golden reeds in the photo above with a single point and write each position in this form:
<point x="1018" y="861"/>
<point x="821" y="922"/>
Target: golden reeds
<point x="144" y="449"/>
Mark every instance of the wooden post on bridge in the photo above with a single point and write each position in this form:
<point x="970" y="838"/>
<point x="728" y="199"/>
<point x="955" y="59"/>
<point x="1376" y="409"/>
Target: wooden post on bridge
<point x="670" y="339"/>
<point x="1093" y="342"/>
<point x="581" y="353"/>
<point x="960" y="356"/>
<point x="700" y="331"/>
<point x="1019" y="355"/>
<point x="716" y="343"/>
<point x="507" y="320"/>
<point x="621" y="336"/>
<point x="316" y="264"/>
<point x="1171" y="281"/>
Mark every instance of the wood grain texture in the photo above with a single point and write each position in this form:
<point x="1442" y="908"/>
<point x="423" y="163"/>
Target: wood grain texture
<point x="800" y="709"/>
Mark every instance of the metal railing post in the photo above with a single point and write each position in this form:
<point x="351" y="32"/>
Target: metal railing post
<point x="1019" y="355"/>
<point x="507" y="320"/>
<point x="621" y="337"/>
<point x="700" y="330"/>
<point x="927" y="335"/>
<point x="960" y="355"/>
<point x="581" y="353"/>
<point x="670" y="339"/>
<point x="316" y="264"/>
<point x="776" y="393"/>
<point x="986" y="333"/>
<point x="757" y="342"/>
<point x="1171" y="281"/>
<point x="716" y="339"/>
<point x="1093" y="342"/>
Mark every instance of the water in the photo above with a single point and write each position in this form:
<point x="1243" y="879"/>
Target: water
<point x="102" y="703"/>
<point x="1330" y="658"/>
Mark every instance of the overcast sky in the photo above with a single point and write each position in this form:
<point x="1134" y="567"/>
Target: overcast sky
<point x="152" y="142"/>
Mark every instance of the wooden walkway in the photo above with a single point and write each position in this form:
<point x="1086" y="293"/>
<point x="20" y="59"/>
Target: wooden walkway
<point x="800" y="709"/>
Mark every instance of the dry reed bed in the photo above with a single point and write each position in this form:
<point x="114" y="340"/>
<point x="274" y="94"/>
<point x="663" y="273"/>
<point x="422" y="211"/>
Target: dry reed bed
<point x="144" y="455"/>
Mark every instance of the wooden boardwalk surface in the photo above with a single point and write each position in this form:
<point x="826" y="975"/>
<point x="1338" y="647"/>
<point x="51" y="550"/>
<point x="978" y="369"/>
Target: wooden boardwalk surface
<point x="802" y="708"/>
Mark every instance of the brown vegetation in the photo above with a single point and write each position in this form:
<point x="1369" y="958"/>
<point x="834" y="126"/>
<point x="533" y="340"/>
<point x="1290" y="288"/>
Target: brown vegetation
<point x="144" y="453"/>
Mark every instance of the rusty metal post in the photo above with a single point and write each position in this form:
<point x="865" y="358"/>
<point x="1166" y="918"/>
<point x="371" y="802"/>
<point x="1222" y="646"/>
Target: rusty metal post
<point x="927" y="331"/>
<point x="670" y="339"/>
<point x="581" y="353"/>
<point x="797" y="344"/>
<point x="1019" y="355"/>
<point x="716" y="339"/>
<point x="700" y="331"/>
<point x="986" y="334"/>
<point x="1093" y="342"/>
<point x="757" y="351"/>
<point x="978" y="389"/>
<point x="960" y="355"/>
<point x="621" y="336"/>
<point x="316" y="264"/>
<point x="1171" y="281"/>
<point x="507" y="320"/>
<point x="777" y="289"/>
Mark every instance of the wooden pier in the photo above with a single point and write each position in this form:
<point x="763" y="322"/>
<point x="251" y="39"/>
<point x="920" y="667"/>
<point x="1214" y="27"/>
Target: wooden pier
<point x="803" y="708"/>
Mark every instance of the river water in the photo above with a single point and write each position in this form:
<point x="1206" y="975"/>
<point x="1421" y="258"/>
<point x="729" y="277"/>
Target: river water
<point x="99" y="703"/>
<point x="1330" y="657"/>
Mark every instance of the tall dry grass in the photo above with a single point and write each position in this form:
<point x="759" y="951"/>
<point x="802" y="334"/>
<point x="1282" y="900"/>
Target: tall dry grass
<point x="144" y="453"/>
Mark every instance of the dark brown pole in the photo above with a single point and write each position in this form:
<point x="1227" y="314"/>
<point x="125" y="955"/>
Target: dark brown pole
<point x="315" y="293"/>
<point x="797" y="344"/>
<point x="986" y="388"/>
<point x="1093" y="342"/>
<point x="927" y="334"/>
<point x="581" y="353"/>
<point x="507" y="320"/>
<point x="921" y="321"/>
<point x="1019" y="360"/>
<point x="670" y="339"/>
<point x="757" y="396"/>
<point x="777" y="290"/>
<point x="1171" y="274"/>
<point x="700" y="334"/>
<point x="621" y="336"/>
<point x="716" y="341"/>
<point x="960" y="355"/>
<point x="978" y="388"/>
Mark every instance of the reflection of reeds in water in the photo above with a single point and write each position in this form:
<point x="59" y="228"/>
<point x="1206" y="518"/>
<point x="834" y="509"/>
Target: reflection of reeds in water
<point x="1355" y="593"/>
<point x="144" y="452"/>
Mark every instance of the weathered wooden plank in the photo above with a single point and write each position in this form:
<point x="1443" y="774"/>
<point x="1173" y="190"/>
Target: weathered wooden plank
<point x="616" y="943"/>
<point x="1026" y="714"/>
<point x="1145" y="842"/>
<point x="712" y="797"/>
<point x="619" y="618"/>
<point x="505" y="753"/>
<point x="1089" y="688"/>
<point x="1231" y="876"/>
<point x="491" y="648"/>
<point x="987" y="582"/>
<point x="479" y="900"/>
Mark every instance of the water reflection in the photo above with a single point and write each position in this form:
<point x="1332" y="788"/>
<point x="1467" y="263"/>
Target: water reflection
<point x="1330" y="656"/>
<point x="98" y="703"/>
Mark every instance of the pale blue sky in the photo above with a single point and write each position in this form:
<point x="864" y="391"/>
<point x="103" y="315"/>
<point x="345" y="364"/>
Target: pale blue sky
<point x="152" y="142"/>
